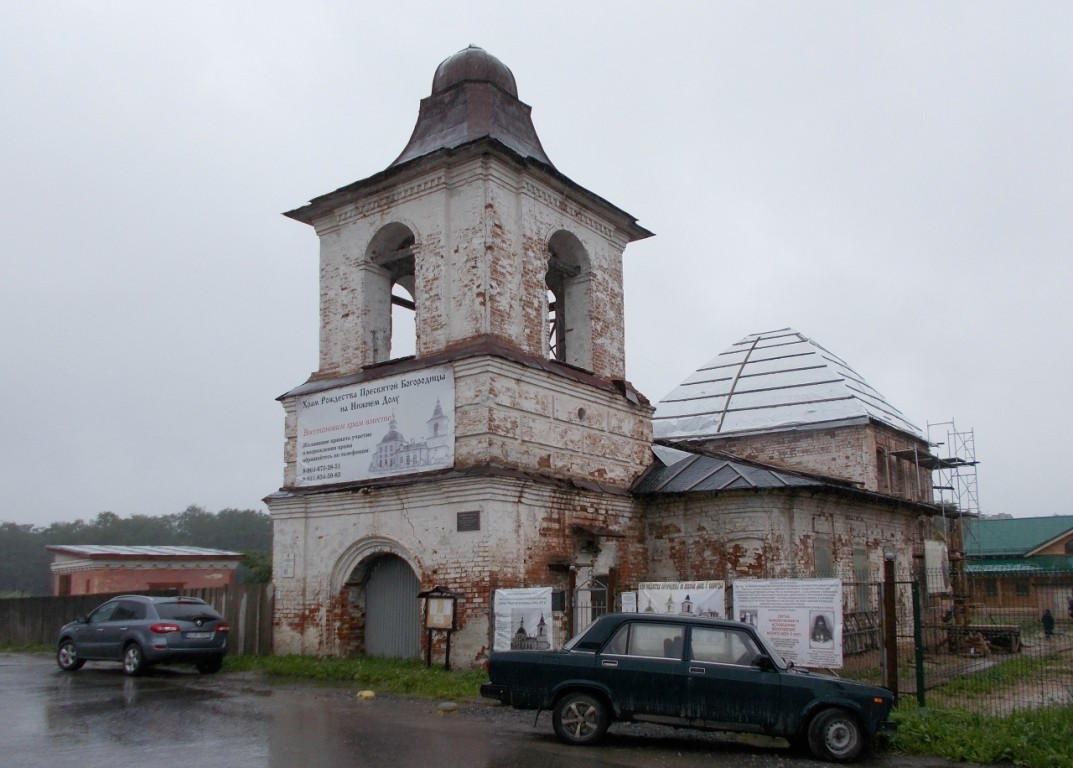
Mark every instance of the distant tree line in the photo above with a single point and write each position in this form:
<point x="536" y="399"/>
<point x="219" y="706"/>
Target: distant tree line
<point x="24" y="561"/>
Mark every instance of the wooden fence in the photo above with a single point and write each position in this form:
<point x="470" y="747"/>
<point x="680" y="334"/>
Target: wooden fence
<point x="247" y="607"/>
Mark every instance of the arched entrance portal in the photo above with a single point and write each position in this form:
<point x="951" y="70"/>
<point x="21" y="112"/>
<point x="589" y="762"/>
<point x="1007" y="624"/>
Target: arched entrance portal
<point x="392" y="610"/>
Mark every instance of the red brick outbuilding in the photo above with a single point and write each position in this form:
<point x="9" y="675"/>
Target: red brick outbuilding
<point x="87" y="569"/>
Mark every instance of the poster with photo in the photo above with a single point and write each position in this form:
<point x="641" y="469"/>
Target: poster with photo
<point x="683" y="598"/>
<point x="801" y="617"/>
<point x="523" y="620"/>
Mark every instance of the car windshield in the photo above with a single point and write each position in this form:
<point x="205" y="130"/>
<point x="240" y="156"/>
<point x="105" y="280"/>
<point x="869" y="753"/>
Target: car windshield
<point x="571" y="644"/>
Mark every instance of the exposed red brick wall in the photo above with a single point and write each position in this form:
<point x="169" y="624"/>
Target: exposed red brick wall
<point x="860" y="453"/>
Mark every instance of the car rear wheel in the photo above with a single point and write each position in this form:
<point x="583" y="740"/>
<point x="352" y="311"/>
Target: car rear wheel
<point x="210" y="666"/>
<point x="67" y="657"/>
<point x="836" y="736"/>
<point x="133" y="660"/>
<point x="580" y="719"/>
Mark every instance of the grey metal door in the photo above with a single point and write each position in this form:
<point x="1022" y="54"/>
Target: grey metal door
<point x="392" y="610"/>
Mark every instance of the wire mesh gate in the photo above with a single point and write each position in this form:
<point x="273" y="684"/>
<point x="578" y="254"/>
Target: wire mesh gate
<point x="590" y="601"/>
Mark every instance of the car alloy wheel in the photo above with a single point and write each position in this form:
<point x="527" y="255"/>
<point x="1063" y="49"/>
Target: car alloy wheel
<point x="67" y="657"/>
<point x="133" y="660"/>
<point x="580" y="719"/>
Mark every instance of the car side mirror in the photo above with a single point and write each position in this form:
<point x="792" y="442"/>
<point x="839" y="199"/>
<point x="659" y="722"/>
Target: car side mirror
<point x="82" y="619"/>
<point x="764" y="662"/>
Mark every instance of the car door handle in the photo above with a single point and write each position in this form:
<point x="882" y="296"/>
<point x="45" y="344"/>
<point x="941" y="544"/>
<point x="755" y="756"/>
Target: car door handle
<point x="609" y="663"/>
<point x="696" y="670"/>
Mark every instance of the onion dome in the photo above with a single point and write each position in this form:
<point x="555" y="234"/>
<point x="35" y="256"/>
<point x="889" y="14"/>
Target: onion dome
<point x="473" y="65"/>
<point x="474" y="97"/>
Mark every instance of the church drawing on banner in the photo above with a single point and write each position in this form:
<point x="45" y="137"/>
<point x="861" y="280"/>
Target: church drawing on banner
<point x="540" y="640"/>
<point x="395" y="454"/>
<point x="541" y="465"/>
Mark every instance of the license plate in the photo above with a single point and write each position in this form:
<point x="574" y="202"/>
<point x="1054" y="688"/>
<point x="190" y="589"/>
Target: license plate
<point x="198" y="635"/>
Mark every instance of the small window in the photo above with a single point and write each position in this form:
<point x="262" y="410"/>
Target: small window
<point x="1021" y="588"/>
<point x="863" y="576"/>
<point x="991" y="587"/>
<point x="823" y="554"/>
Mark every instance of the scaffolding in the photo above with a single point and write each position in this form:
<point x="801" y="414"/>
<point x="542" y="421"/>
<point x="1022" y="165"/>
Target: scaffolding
<point x="951" y="457"/>
<point x="954" y="486"/>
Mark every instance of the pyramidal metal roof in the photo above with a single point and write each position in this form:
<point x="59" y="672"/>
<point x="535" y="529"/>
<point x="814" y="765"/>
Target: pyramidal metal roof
<point x="675" y="471"/>
<point x="772" y="381"/>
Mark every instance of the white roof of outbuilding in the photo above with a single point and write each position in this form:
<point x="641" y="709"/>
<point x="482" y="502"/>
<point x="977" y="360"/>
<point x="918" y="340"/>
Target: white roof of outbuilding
<point x="769" y="382"/>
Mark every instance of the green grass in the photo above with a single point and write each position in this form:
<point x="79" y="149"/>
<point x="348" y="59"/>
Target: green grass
<point x="1005" y="674"/>
<point x="1039" y="738"/>
<point x="411" y="678"/>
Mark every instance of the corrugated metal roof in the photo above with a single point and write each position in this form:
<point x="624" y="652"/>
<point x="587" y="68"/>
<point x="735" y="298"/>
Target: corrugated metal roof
<point x="104" y="551"/>
<point x="677" y="471"/>
<point x="1001" y="566"/>
<point x="768" y="382"/>
<point x="985" y="537"/>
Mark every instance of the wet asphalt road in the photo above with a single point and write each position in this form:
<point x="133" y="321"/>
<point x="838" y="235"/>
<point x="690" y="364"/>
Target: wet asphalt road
<point x="98" y="717"/>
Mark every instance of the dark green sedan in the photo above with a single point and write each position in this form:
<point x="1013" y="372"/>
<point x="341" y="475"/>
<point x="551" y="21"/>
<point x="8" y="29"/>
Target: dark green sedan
<point x="688" y="672"/>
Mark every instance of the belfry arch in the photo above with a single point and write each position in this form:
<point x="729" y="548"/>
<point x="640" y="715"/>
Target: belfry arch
<point x="569" y="283"/>
<point x="388" y="284"/>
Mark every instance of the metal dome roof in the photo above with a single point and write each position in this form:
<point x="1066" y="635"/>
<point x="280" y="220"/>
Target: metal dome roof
<point x="768" y="382"/>
<point x="473" y="64"/>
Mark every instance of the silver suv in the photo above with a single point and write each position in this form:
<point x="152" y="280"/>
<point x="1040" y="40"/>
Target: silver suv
<point x="140" y="631"/>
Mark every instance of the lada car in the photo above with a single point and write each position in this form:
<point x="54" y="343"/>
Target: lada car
<point x="688" y="672"/>
<point x="140" y="631"/>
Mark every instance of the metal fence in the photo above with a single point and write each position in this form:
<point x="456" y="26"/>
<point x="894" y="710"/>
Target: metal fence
<point x="988" y="650"/>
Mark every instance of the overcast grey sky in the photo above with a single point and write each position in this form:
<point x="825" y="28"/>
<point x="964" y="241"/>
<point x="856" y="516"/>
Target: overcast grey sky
<point x="893" y="180"/>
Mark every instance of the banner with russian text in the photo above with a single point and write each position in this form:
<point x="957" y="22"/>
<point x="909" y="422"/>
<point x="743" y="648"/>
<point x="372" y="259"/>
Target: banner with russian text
<point x="801" y="617"/>
<point x="683" y="598"/>
<point x="392" y="426"/>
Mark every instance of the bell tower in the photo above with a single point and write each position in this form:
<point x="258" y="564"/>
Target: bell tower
<point x="513" y="413"/>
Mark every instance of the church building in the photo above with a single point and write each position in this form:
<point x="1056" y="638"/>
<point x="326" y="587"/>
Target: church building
<point x="509" y="450"/>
